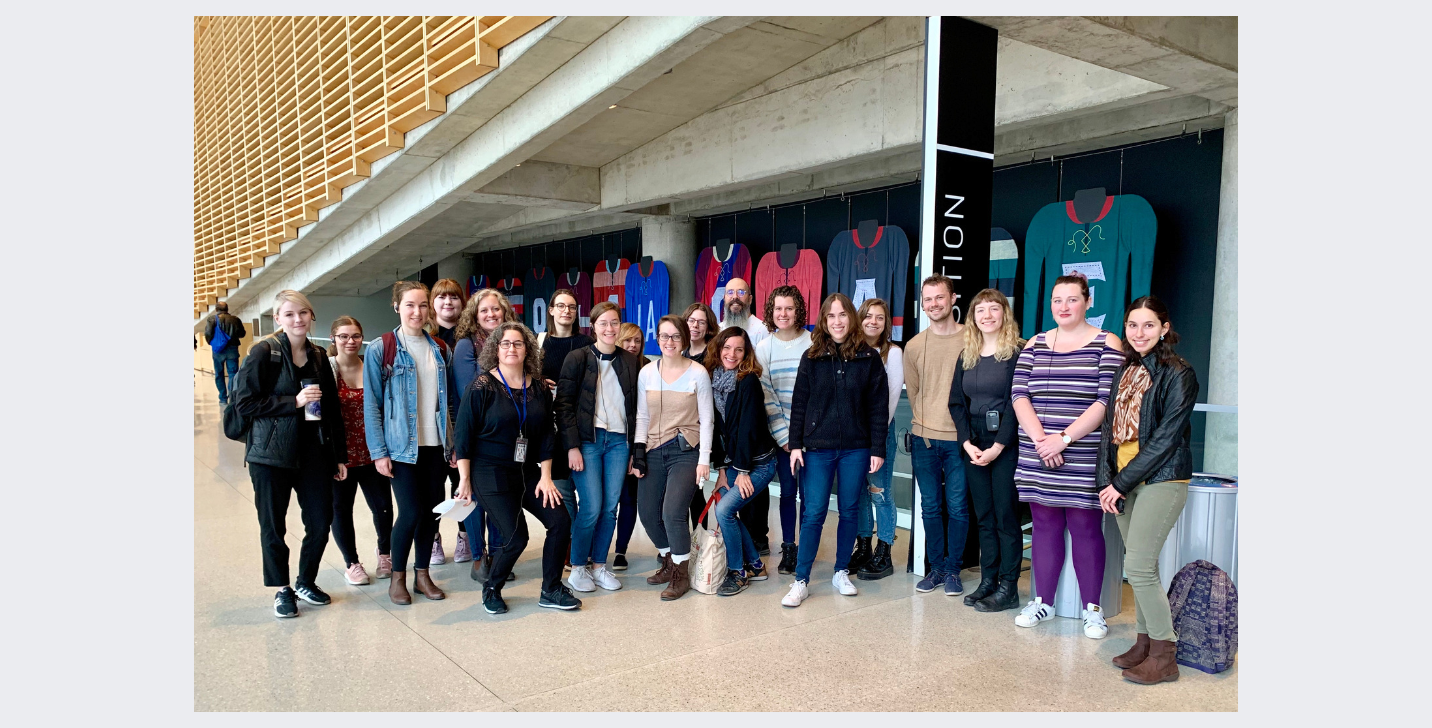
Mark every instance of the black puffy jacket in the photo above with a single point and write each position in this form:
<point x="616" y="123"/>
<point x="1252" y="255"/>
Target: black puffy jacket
<point x="576" y="402"/>
<point x="274" y="418"/>
<point x="1164" y="429"/>
<point x="841" y="404"/>
<point x="744" y="433"/>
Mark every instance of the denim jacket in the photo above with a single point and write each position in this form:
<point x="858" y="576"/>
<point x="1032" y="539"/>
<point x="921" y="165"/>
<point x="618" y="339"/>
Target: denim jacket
<point x="390" y="418"/>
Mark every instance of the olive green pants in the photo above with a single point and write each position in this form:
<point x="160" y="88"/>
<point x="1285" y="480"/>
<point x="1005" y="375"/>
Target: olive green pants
<point x="1149" y="514"/>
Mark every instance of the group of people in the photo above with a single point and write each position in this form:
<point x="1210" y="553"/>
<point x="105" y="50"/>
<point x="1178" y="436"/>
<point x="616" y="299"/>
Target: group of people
<point x="462" y="400"/>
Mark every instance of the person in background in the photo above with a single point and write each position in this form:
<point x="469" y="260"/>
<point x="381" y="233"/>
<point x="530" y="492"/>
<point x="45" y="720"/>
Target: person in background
<point x="981" y="408"/>
<point x="505" y="442"/>
<point x="701" y="322"/>
<point x="837" y="435"/>
<point x="562" y="338"/>
<point x="596" y="416"/>
<point x="407" y="413"/>
<point x="1060" y="392"/>
<point x="779" y="356"/>
<point x="1145" y="462"/>
<point x="632" y="339"/>
<point x="223" y="332"/>
<point x="486" y="309"/>
<point x="671" y="455"/>
<point x="934" y="443"/>
<point x="874" y="563"/>
<point x="447" y="300"/>
<point x="288" y="453"/>
<point x="346" y="350"/>
<point x="745" y="451"/>
<point x="738" y="292"/>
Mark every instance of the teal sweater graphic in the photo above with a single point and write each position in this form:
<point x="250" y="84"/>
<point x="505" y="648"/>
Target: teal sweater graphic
<point x="1115" y="251"/>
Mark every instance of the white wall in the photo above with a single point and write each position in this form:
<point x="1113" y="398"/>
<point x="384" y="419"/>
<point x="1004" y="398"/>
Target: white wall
<point x="375" y="312"/>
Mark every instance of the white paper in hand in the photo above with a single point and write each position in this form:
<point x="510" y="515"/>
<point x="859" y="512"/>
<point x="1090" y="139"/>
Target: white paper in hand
<point x="454" y="509"/>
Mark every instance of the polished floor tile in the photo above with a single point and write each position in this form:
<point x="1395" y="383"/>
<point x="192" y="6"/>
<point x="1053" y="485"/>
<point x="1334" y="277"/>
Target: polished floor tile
<point x="886" y="649"/>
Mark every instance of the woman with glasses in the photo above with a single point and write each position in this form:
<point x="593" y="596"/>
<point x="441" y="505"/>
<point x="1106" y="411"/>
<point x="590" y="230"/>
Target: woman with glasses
<point x="702" y="328"/>
<point x="346" y="352"/>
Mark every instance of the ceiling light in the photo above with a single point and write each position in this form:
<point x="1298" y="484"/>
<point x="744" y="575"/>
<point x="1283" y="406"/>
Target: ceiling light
<point x="613" y="106"/>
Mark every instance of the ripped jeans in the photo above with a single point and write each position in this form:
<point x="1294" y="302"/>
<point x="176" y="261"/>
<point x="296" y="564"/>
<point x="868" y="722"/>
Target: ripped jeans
<point x="883" y="502"/>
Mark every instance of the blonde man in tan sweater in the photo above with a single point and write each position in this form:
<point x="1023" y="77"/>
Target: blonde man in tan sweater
<point x="935" y="445"/>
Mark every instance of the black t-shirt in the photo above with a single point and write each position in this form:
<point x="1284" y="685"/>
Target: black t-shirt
<point x="487" y="422"/>
<point x="987" y="387"/>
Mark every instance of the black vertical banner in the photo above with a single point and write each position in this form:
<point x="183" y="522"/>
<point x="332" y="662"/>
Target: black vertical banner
<point x="958" y="178"/>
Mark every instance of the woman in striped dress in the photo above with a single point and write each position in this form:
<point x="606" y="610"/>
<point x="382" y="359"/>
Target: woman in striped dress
<point x="1060" y="391"/>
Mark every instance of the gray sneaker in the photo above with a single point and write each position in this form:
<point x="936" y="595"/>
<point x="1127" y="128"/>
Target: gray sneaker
<point x="581" y="579"/>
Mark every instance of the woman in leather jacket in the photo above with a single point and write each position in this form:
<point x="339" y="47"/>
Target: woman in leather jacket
<point x="1145" y="464"/>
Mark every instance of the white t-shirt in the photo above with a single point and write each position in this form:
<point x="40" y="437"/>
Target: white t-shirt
<point x="610" y="409"/>
<point x="755" y="328"/>
<point x="425" y="361"/>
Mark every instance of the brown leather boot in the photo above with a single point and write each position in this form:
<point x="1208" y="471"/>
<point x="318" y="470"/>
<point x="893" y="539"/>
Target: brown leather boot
<point x="663" y="572"/>
<point x="398" y="588"/>
<point x="425" y="586"/>
<point x="680" y="581"/>
<point x="1160" y="666"/>
<point x="1136" y="654"/>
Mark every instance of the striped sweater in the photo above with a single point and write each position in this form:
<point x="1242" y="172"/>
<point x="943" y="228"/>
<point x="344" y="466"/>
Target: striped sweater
<point x="779" y="362"/>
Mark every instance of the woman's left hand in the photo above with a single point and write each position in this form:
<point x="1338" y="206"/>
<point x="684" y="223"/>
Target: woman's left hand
<point x="452" y="459"/>
<point x="702" y="473"/>
<point x="1109" y="499"/>
<point x="547" y="491"/>
<point x="744" y="485"/>
<point x="1051" y="445"/>
<point x="342" y="472"/>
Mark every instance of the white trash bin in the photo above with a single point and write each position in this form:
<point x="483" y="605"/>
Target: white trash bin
<point x="1207" y="529"/>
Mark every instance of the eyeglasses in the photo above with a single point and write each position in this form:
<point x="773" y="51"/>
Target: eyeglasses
<point x="347" y="337"/>
<point x="564" y="307"/>
<point x="693" y="321"/>
<point x="737" y="291"/>
<point x="669" y="338"/>
<point x="511" y="345"/>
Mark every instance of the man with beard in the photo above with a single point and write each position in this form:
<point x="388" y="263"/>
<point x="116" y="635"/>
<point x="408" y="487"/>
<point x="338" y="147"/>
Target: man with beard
<point x="738" y="311"/>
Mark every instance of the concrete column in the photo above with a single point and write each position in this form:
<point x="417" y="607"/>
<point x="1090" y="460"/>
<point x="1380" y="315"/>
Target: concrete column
<point x="457" y="267"/>
<point x="1220" y="454"/>
<point x="672" y="240"/>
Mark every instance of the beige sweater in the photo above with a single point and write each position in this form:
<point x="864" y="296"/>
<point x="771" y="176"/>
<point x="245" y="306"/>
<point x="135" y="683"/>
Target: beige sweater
<point x="929" y="374"/>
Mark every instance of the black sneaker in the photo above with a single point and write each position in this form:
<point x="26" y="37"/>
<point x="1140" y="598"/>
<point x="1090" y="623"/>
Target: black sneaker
<point x="789" y="552"/>
<point x="619" y="563"/>
<point x="559" y="598"/>
<point x="284" y="605"/>
<point x="311" y="593"/>
<point x="492" y="601"/>
<point x="735" y="583"/>
<point x="763" y="548"/>
<point x="756" y="571"/>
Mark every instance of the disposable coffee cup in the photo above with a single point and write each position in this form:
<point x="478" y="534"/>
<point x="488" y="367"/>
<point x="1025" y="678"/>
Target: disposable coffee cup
<point x="313" y="410"/>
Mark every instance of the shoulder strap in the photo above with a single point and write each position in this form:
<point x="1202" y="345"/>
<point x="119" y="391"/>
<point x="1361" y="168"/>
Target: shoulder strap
<point x="390" y="350"/>
<point x="542" y="337"/>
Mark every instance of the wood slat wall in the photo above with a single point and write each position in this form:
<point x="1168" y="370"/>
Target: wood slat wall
<point x="290" y="110"/>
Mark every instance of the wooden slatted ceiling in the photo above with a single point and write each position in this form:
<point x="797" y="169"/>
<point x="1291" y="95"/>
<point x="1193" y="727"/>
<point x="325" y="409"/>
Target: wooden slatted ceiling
<point x="288" y="111"/>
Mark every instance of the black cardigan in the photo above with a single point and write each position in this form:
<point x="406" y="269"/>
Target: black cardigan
<point x="1164" y="429"/>
<point x="576" y="402"/>
<point x="840" y="404"/>
<point x="274" y="417"/>
<point x="959" y="407"/>
<point x="746" y="434"/>
<point x="487" y="419"/>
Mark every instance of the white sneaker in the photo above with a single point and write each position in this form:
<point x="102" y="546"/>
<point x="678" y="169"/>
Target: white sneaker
<point x="1094" y="626"/>
<point x="798" y="593"/>
<point x="605" y="579"/>
<point x="581" y="579"/>
<point x="842" y="584"/>
<point x="1034" y="612"/>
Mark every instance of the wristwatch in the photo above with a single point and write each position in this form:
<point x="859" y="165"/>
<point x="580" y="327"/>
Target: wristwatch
<point x="1065" y="437"/>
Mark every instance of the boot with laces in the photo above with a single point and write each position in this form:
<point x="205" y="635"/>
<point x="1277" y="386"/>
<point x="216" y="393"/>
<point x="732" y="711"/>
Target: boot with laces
<point x="862" y="554"/>
<point x="789" y="554"/>
<point x="879" y="565"/>
<point x="680" y="582"/>
<point x="663" y="572"/>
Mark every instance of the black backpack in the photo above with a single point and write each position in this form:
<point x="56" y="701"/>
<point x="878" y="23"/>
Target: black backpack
<point x="236" y="426"/>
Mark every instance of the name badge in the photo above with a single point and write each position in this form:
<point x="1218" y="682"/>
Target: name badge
<point x="519" y="453"/>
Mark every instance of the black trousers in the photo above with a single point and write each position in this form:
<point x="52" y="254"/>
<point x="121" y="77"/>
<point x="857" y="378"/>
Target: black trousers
<point x="755" y="516"/>
<point x="996" y="507"/>
<point x="626" y="514"/>
<point x="417" y="488"/>
<point x="312" y="482"/>
<point x="379" y="494"/>
<point x="504" y="491"/>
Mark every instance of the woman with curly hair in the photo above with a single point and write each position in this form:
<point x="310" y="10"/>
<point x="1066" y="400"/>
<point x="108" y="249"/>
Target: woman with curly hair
<point x="779" y="356"/>
<point x="504" y="442"/>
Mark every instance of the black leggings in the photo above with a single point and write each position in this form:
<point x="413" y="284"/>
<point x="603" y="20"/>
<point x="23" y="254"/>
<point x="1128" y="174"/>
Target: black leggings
<point x="626" y="514"/>
<point x="504" y="491"/>
<point x="417" y="488"/>
<point x="311" y="481"/>
<point x="379" y="494"/>
<point x="996" y="507"/>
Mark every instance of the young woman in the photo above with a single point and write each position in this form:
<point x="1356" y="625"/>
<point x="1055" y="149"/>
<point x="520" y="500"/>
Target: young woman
<point x="286" y="451"/>
<point x="562" y="339"/>
<point x="504" y="451"/>
<point x="671" y="455"/>
<point x="631" y="339"/>
<point x="1060" y="391"/>
<point x="447" y="300"/>
<point x="408" y="401"/>
<point x="981" y="409"/>
<point x="596" y="416"/>
<point x="780" y="355"/>
<point x="347" y="336"/>
<point x="839" y="418"/>
<point x="702" y="327"/>
<point x="868" y="563"/>
<point x="745" y="450"/>
<point x="1145" y="464"/>
<point x="485" y="311"/>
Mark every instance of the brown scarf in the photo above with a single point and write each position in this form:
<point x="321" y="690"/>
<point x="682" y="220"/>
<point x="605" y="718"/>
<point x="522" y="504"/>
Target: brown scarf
<point x="1132" y="387"/>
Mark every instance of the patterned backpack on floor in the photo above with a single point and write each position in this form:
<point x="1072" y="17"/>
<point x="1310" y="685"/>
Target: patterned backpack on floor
<point x="1204" y="602"/>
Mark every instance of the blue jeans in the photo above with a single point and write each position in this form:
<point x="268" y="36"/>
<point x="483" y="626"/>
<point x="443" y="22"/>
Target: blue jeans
<point x="224" y="357"/>
<point x="740" y="547"/>
<point x="883" y="502"/>
<point x="790" y="488"/>
<point x="599" y="489"/>
<point x="940" y="476"/>
<point x="845" y="471"/>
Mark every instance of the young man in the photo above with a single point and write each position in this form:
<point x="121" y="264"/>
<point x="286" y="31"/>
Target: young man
<point x="935" y="446"/>
<point x="779" y="356"/>
<point x="738" y="311"/>
<point x="230" y="330"/>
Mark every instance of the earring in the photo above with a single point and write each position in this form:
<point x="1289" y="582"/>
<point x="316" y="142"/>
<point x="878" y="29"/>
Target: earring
<point x="1161" y="338"/>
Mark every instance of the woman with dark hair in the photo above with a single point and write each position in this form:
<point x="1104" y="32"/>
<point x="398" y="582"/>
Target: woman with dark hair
<point x="1145" y="463"/>
<point x="446" y="301"/>
<point x="745" y="451"/>
<point x="837" y="435"/>
<point x="505" y="439"/>
<point x="702" y="327"/>
<point x="347" y="336"/>
<point x="870" y="563"/>
<point x="631" y="339"/>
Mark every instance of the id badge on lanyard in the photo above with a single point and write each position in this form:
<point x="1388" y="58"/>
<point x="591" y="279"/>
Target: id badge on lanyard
<point x="519" y="451"/>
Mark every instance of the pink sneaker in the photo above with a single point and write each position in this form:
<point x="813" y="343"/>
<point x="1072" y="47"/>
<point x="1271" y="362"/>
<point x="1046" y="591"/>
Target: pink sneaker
<point x="356" y="575"/>
<point x="439" y="558"/>
<point x="461" y="554"/>
<point x="385" y="565"/>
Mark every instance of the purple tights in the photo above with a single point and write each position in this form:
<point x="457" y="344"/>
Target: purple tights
<point x="1086" y="531"/>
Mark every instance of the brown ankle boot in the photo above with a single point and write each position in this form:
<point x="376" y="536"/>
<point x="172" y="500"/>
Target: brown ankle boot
<point x="663" y="572"/>
<point x="398" y="588"/>
<point x="1136" y="654"/>
<point x="425" y="586"/>
<point x="1160" y="666"/>
<point x="680" y="582"/>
